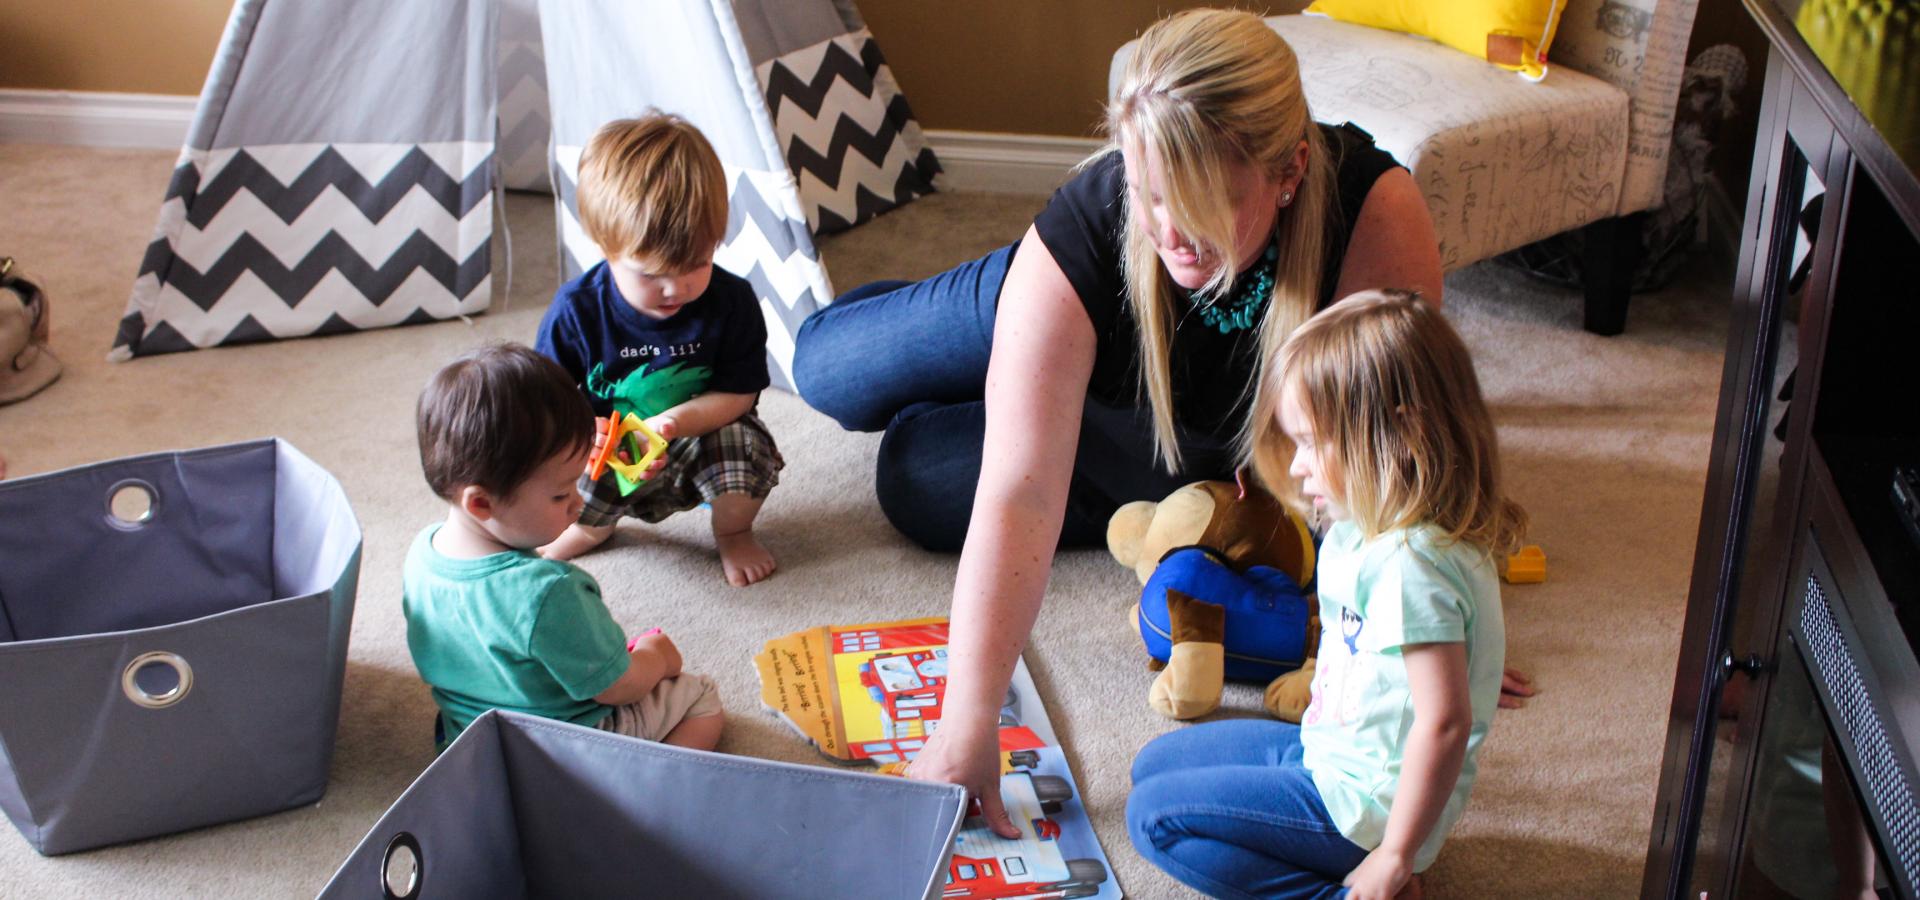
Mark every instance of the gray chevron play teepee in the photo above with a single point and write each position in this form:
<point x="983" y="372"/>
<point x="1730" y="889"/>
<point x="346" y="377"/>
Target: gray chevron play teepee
<point x="347" y="183"/>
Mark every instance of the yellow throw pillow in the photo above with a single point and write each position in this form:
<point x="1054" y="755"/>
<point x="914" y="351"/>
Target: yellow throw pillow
<point x="1511" y="34"/>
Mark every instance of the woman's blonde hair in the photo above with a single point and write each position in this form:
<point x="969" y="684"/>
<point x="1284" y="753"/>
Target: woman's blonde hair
<point x="652" y="190"/>
<point x="1397" y="420"/>
<point x="1206" y="89"/>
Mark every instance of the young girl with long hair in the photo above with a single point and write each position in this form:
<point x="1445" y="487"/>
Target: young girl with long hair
<point x="1373" y="418"/>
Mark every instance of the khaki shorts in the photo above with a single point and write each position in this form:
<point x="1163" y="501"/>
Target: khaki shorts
<point x="672" y="701"/>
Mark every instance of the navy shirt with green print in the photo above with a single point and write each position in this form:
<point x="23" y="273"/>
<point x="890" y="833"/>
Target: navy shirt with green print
<point x="627" y="361"/>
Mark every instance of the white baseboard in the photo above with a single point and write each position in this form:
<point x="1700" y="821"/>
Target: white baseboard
<point x="94" y="119"/>
<point x="1006" y="163"/>
<point x="973" y="160"/>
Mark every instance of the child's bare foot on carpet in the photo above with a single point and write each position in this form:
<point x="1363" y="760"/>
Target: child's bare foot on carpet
<point x="742" y="556"/>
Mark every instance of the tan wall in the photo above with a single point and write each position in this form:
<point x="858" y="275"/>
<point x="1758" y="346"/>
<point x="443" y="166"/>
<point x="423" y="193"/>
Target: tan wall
<point x="133" y="46"/>
<point x="1014" y="65"/>
<point x="981" y="65"/>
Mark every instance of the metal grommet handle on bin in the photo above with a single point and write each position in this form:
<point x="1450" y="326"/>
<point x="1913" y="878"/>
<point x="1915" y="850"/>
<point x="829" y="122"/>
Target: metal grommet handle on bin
<point x="140" y="695"/>
<point x="131" y="504"/>
<point x="400" y="868"/>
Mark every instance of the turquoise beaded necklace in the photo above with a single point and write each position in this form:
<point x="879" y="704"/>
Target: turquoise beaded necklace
<point x="1241" y="311"/>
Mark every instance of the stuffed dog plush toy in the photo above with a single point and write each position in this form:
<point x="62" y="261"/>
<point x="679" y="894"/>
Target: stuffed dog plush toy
<point x="1222" y="568"/>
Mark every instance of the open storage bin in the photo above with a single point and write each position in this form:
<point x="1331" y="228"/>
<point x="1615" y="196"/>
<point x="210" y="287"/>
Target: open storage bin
<point x="173" y="634"/>
<point x="521" y="806"/>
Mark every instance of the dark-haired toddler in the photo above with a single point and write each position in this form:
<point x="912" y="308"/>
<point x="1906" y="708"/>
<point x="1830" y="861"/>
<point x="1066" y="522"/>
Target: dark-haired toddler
<point x="504" y="435"/>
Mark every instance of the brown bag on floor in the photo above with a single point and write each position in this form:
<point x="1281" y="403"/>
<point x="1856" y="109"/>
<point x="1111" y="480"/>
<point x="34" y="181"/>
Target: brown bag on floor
<point x="26" y="365"/>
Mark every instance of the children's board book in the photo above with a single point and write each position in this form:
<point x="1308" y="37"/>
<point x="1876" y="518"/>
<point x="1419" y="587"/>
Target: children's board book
<point x="871" y="694"/>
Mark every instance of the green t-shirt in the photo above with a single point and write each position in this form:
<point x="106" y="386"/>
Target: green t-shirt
<point x="509" y="631"/>
<point x="1404" y="587"/>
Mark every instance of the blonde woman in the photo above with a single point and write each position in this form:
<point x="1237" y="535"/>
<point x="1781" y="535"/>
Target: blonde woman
<point x="1113" y="353"/>
<point x="1375" y="409"/>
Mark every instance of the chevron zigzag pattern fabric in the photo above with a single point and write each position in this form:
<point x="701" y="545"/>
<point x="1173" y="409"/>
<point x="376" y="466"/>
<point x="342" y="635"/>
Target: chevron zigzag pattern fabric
<point x="846" y="130"/>
<point x="294" y="211"/>
<point x="521" y="86"/>
<point x="246" y="236"/>
<point x="524" y="124"/>
<point x="766" y="243"/>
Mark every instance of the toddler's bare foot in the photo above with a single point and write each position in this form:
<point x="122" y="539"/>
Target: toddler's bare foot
<point x="577" y="539"/>
<point x="744" y="559"/>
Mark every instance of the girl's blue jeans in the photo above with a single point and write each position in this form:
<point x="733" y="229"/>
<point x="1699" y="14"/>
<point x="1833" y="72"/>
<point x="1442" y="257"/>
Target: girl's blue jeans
<point x="1228" y="808"/>
<point x="910" y="358"/>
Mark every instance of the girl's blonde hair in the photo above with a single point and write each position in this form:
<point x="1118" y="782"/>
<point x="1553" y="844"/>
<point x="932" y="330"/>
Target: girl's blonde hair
<point x="1397" y="418"/>
<point x="1205" y="89"/>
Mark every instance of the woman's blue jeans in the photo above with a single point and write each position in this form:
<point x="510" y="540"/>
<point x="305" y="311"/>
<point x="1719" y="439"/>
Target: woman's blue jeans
<point x="911" y="358"/>
<point x="1228" y="808"/>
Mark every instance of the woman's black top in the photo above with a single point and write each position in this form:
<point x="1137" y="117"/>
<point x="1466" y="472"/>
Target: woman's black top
<point x="1083" y="226"/>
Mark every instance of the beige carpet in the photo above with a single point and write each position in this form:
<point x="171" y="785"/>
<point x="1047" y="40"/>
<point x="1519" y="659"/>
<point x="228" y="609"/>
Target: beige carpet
<point x="1606" y="444"/>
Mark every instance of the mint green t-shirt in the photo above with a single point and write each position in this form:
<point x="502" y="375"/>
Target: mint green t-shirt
<point x="509" y="631"/>
<point x="1411" y="586"/>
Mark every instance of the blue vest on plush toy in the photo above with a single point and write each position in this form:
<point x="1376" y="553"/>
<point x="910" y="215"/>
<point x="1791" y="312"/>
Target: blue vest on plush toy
<point x="1266" y="616"/>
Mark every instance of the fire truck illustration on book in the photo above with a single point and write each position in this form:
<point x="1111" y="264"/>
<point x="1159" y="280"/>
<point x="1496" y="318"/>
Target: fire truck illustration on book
<point x="908" y="687"/>
<point x="986" y="865"/>
<point x="875" y="693"/>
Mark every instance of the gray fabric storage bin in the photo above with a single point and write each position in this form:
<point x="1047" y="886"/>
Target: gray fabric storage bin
<point x="521" y="806"/>
<point x="175" y="670"/>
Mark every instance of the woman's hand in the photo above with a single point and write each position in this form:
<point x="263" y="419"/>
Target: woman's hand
<point x="1380" y="876"/>
<point x="972" y="761"/>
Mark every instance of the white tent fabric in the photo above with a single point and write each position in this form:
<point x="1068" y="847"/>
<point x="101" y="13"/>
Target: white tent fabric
<point x="294" y="211"/>
<point x="838" y="116"/>
<point x="524" y="122"/>
<point x="345" y="184"/>
<point x="767" y="241"/>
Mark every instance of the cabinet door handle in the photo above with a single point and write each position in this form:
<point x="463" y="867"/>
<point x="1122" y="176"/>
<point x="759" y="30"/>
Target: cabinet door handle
<point x="1751" y="664"/>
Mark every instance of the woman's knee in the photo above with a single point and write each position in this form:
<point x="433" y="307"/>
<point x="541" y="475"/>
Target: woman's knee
<point x="871" y="289"/>
<point x="922" y="510"/>
<point x="825" y="376"/>
<point x="926" y="472"/>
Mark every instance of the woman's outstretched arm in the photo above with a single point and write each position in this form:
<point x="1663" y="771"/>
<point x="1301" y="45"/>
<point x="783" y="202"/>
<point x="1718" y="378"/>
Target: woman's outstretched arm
<point x="1043" y="349"/>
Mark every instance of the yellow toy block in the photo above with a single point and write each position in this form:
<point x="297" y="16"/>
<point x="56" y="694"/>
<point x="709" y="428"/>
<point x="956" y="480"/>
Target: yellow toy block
<point x="1529" y="566"/>
<point x="626" y="432"/>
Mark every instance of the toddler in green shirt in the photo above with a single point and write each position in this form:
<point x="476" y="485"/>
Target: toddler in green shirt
<point x="504" y="435"/>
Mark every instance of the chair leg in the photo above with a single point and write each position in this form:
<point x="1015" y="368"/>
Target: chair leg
<point x="1612" y="253"/>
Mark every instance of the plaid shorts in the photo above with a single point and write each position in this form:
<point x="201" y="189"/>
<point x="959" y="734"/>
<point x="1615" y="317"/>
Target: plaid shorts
<point x="740" y="458"/>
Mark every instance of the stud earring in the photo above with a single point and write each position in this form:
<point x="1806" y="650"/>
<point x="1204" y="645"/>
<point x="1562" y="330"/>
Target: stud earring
<point x="1286" y="197"/>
